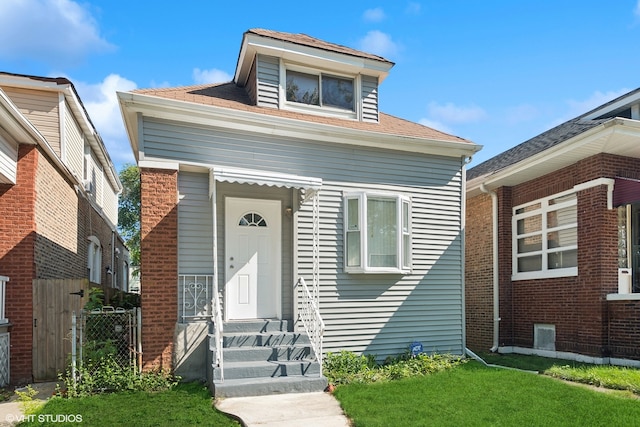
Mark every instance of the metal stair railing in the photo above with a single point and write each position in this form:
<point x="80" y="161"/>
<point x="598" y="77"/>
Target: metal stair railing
<point x="218" y="329"/>
<point x="311" y="320"/>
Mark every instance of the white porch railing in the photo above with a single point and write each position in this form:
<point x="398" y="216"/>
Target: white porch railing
<point x="217" y="325"/>
<point x="311" y="319"/>
<point x="196" y="294"/>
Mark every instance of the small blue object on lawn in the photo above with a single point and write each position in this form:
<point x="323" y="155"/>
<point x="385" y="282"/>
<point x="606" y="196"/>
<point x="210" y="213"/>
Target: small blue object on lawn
<point x="416" y="348"/>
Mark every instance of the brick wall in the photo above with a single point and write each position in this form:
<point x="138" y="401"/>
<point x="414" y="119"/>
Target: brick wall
<point x="575" y="305"/>
<point x="624" y="329"/>
<point x="479" y="273"/>
<point x="17" y="240"/>
<point x="43" y="235"/>
<point x="159" y="265"/>
<point x="65" y="219"/>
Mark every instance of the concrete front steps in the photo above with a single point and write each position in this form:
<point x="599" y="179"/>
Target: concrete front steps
<point x="263" y="357"/>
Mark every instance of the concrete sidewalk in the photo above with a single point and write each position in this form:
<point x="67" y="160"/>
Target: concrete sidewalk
<point x="286" y="410"/>
<point x="11" y="412"/>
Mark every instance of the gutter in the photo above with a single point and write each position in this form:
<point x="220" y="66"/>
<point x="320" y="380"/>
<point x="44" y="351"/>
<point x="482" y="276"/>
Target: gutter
<point x="494" y="256"/>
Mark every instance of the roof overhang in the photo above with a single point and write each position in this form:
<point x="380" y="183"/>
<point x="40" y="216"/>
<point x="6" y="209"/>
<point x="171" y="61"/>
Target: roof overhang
<point x="134" y="105"/>
<point x="15" y="129"/>
<point x="254" y="44"/>
<point x="617" y="136"/>
<point x="64" y="86"/>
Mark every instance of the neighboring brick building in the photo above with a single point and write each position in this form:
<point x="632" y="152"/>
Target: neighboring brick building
<point x="59" y="203"/>
<point x="552" y="238"/>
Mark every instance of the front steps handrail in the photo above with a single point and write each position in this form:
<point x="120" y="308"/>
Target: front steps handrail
<point x="311" y="320"/>
<point x="218" y="329"/>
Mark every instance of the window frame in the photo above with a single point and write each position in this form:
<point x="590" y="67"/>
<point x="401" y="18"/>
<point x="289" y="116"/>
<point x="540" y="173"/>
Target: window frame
<point x="319" y="109"/>
<point x="94" y="260"/>
<point x="543" y="211"/>
<point x="404" y="234"/>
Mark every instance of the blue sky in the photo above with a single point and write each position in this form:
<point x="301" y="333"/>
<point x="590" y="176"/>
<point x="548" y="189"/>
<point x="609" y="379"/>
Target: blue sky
<point x="495" y="72"/>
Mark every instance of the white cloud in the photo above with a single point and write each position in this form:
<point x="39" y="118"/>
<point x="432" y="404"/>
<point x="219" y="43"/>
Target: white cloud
<point x="637" y="9"/>
<point x="210" y="76"/>
<point x="596" y="99"/>
<point x="453" y="114"/>
<point x="101" y="102"/>
<point x="374" y="15"/>
<point x="378" y="43"/>
<point x="413" y="8"/>
<point x="52" y="31"/>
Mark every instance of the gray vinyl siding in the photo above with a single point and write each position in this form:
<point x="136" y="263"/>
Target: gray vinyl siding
<point x="42" y="109"/>
<point x="369" y="99"/>
<point x="252" y="85"/>
<point x="195" y="224"/>
<point x="268" y="78"/>
<point x="378" y="314"/>
<point x="74" y="144"/>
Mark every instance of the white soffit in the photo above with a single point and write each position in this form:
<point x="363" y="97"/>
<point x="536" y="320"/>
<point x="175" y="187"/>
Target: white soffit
<point x="271" y="179"/>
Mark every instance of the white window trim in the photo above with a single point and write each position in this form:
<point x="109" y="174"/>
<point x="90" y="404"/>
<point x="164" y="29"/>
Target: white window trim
<point x="401" y="201"/>
<point x="545" y="272"/>
<point x="319" y="109"/>
<point x="94" y="263"/>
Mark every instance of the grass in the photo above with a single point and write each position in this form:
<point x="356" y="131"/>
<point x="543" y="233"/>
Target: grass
<point x="474" y="395"/>
<point x="611" y="377"/>
<point x="186" y="405"/>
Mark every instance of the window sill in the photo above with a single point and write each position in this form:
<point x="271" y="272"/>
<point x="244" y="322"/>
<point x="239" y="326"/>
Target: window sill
<point x="623" y="297"/>
<point x="380" y="271"/>
<point x="548" y="274"/>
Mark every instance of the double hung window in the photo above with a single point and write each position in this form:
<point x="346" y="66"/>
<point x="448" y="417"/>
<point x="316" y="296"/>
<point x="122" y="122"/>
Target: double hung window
<point x="545" y="238"/>
<point x="377" y="233"/>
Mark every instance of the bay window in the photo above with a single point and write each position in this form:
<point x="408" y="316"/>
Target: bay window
<point x="377" y="233"/>
<point x="545" y="238"/>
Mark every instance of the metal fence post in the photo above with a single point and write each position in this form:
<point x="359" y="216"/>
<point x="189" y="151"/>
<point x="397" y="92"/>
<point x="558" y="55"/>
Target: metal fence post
<point x="139" y="337"/>
<point x="73" y="347"/>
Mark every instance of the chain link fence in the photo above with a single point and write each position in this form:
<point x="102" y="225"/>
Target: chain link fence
<point x="107" y="334"/>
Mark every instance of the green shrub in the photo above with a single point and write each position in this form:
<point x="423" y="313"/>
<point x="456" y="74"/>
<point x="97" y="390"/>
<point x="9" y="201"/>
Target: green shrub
<point x="347" y="367"/>
<point x="107" y="375"/>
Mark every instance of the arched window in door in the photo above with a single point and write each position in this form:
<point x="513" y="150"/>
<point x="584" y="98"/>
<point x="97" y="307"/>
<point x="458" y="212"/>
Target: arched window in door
<point x="252" y="219"/>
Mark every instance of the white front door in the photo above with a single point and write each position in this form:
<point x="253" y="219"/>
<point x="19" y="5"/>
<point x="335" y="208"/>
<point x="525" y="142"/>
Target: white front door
<point x="252" y="258"/>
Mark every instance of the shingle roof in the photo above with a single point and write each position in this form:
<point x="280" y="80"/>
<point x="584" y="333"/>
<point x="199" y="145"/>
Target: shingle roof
<point x="305" y="40"/>
<point x="533" y="146"/>
<point x="228" y="95"/>
<point x="546" y="140"/>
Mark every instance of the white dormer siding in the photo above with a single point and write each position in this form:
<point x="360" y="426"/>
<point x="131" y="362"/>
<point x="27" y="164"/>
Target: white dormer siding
<point x="265" y="87"/>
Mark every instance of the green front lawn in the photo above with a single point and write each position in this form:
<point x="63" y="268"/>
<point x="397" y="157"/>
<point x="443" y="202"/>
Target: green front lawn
<point x="474" y="395"/>
<point x="185" y="405"/>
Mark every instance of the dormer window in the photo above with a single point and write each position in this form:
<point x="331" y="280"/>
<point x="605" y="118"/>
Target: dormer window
<point x="320" y="89"/>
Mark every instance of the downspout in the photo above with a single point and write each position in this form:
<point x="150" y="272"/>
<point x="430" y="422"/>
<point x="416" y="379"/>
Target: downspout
<point x="494" y="256"/>
<point x="113" y="256"/>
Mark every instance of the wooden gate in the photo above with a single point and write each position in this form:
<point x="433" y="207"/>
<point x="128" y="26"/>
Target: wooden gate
<point x="53" y="303"/>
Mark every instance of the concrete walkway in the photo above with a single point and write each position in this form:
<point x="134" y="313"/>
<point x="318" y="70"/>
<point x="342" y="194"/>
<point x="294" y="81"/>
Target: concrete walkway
<point x="11" y="412"/>
<point x="286" y="410"/>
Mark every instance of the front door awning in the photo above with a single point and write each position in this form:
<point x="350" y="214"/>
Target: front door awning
<point x="272" y="179"/>
<point x="626" y="191"/>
